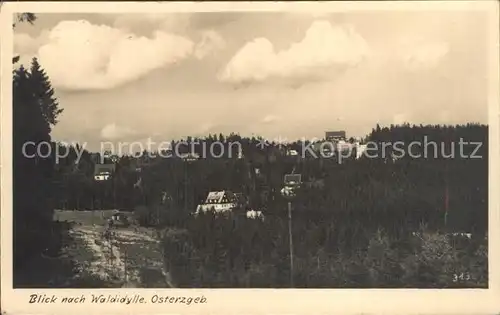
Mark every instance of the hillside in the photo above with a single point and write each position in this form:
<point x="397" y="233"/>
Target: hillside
<point x="130" y="258"/>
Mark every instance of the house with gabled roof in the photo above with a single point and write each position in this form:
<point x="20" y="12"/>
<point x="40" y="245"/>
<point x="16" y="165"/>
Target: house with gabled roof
<point x="103" y="171"/>
<point x="220" y="201"/>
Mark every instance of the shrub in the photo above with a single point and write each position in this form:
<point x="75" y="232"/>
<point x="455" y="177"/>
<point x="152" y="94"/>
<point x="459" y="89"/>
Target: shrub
<point x="224" y="251"/>
<point x="436" y="262"/>
<point x="180" y="256"/>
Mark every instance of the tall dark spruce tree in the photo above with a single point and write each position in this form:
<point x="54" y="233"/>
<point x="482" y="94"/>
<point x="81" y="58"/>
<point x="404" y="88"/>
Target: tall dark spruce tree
<point x="35" y="110"/>
<point x="44" y="93"/>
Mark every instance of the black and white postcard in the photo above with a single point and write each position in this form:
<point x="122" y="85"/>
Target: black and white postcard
<point x="250" y="157"/>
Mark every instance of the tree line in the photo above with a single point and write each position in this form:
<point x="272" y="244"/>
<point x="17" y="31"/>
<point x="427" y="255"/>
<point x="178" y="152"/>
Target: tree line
<point x="406" y="190"/>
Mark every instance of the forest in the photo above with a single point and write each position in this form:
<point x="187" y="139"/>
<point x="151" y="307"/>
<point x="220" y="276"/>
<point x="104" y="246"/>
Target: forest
<point x="367" y="222"/>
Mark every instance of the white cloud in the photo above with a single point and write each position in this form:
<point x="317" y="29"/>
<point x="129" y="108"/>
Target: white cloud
<point x="419" y="54"/>
<point x="323" y="47"/>
<point x="270" y="119"/>
<point x="401" y="118"/>
<point x="26" y="46"/>
<point x="24" y="43"/>
<point x="113" y="132"/>
<point x="210" y="42"/>
<point x="176" y="23"/>
<point x="79" y="55"/>
<point x="206" y="127"/>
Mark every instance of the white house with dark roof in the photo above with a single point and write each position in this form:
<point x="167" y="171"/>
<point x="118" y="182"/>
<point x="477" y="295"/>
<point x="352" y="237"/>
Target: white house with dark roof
<point x="219" y="201"/>
<point x="103" y="171"/>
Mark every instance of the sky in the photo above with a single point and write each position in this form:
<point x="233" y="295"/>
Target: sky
<point x="129" y="77"/>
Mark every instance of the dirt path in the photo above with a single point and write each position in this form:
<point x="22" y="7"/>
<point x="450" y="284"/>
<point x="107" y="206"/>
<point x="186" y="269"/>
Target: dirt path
<point x="131" y="258"/>
<point x="106" y="263"/>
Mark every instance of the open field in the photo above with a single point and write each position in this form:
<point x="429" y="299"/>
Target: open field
<point x="88" y="218"/>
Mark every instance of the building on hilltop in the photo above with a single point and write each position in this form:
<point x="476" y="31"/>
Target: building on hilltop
<point x="328" y="149"/>
<point x="335" y="135"/>
<point x="103" y="171"/>
<point x="189" y="157"/>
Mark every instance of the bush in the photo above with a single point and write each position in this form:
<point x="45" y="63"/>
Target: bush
<point x="180" y="256"/>
<point x="437" y="263"/>
<point x="231" y="251"/>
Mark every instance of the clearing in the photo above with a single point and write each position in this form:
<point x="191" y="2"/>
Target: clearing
<point x="130" y="257"/>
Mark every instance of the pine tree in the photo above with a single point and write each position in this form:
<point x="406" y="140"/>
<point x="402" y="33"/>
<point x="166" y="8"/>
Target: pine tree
<point x="25" y="17"/>
<point x="35" y="110"/>
<point x="44" y="93"/>
<point x="32" y="213"/>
